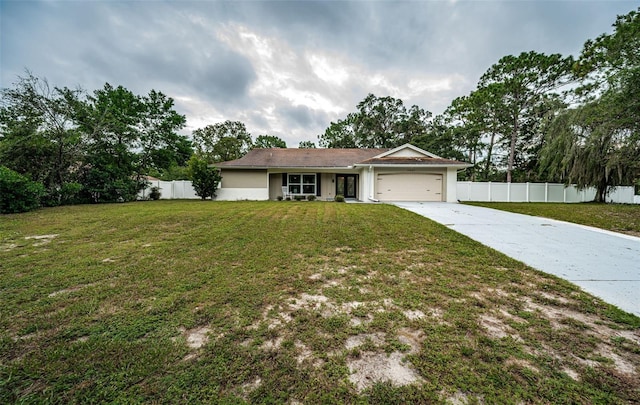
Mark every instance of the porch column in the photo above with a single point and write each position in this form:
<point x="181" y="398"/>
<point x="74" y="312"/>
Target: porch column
<point x="372" y="184"/>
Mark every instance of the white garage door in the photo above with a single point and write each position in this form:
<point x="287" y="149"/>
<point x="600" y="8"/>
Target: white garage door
<point x="409" y="187"/>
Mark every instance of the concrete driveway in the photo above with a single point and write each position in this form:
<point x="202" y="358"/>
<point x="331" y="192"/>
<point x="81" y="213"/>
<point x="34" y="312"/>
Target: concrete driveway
<point x="603" y="263"/>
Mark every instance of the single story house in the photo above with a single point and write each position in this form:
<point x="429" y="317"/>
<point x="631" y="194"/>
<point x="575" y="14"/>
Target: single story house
<point x="405" y="173"/>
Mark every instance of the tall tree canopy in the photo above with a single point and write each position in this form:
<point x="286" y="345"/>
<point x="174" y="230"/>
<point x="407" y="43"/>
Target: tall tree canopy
<point x="597" y="143"/>
<point x="380" y="122"/>
<point x="306" y="145"/>
<point x="127" y="135"/>
<point x="269" y="141"/>
<point x="95" y="146"/>
<point x="38" y="135"/>
<point x="521" y="89"/>
<point x="221" y="142"/>
<point x="160" y="145"/>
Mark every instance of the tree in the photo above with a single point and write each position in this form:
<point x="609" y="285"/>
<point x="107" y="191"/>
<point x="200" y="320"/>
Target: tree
<point x="610" y="57"/>
<point x="340" y="134"/>
<point x="111" y="118"/>
<point x="384" y="122"/>
<point x="127" y="136"/>
<point x="598" y="142"/>
<point x="38" y="135"/>
<point x="467" y="126"/>
<point x="585" y="146"/>
<point x="519" y="86"/>
<point x="97" y="147"/>
<point x="205" y="178"/>
<point x="269" y="141"/>
<point x="160" y="145"/>
<point x="222" y="142"/>
<point x="306" y="145"/>
<point x="380" y="122"/>
<point x="439" y="140"/>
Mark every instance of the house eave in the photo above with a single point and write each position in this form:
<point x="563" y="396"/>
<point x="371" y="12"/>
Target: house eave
<point x="415" y="166"/>
<point x="271" y="168"/>
<point x="238" y="167"/>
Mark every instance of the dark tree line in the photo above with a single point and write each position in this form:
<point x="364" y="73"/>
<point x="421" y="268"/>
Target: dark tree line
<point x="88" y="147"/>
<point x="66" y="146"/>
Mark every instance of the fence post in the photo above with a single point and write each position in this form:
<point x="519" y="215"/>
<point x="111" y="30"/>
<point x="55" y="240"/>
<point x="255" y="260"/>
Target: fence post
<point x="527" y="192"/>
<point x="469" y="191"/>
<point x="564" y="194"/>
<point x="546" y="192"/>
<point x="489" y="191"/>
<point x="508" y="192"/>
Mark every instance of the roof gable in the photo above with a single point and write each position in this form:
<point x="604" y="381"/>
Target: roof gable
<point x="407" y="150"/>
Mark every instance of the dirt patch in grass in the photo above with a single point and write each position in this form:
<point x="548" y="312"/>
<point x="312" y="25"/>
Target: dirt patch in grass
<point x="460" y="398"/>
<point x="497" y="329"/>
<point x="195" y="338"/>
<point x="413" y="338"/>
<point x="71" y="289"/>
<point x="521" y="363"/>
<point x="376" y="339"/>
<point x="367" y="360"/>
<point x="6" y="247"/>
<point x="41" y="239"/>
<point x="371" y="368"/>
<point x="574" y="322"/>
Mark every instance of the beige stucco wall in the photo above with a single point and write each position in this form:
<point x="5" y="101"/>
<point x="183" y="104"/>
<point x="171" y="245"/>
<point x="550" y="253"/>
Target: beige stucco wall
<point x="243" y="178"/>
<point x="327" y="186"/>
<point x="275" y="185"/>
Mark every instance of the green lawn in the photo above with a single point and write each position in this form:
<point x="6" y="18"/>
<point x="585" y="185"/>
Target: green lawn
<point x="287" y="302"/>
<point x="622" y="218"/>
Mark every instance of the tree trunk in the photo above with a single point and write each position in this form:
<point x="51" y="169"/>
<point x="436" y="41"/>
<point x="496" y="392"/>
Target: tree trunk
<point x="601" y="191"/>
<point x="490" y="150"/>
<point x="512" y="149"/>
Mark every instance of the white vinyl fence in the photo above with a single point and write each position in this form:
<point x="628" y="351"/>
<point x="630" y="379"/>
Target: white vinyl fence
<point x="171" y="190"/>
<point x="538" y="192"/>
<point x="467" y="191"/>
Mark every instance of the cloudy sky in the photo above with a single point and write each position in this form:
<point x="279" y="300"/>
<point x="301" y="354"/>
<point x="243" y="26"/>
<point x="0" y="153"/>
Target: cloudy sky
<point x="287" y="68"/>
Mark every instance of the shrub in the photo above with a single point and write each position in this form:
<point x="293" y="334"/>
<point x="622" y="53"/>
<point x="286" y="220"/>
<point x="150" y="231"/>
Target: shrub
<point x="154" y="194"/>
<point x="339" y="198"/>
<point x="70" y="193"/>
<point x="298" y="197"/>
<point x="205" y="179"/>
<point x="66" y="194"/>
<point x="18" y="193"/>
<point x="110" y="184"/>
<point x="311" y="197"/>
<point x="280" y="198"/>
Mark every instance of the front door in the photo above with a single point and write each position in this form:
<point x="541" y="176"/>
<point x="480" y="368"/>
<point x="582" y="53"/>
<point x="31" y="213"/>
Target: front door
<point x="346" y="185"/>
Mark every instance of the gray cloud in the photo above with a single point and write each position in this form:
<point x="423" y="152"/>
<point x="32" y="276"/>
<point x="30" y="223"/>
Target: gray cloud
<point x="287" y="68"/>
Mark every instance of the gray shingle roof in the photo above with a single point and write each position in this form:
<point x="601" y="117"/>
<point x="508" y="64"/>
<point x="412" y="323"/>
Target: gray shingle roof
<point x="290" y="157"/>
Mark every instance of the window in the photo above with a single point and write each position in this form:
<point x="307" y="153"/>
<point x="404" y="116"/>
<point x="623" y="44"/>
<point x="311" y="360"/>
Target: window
<point x="302" y="183"/>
